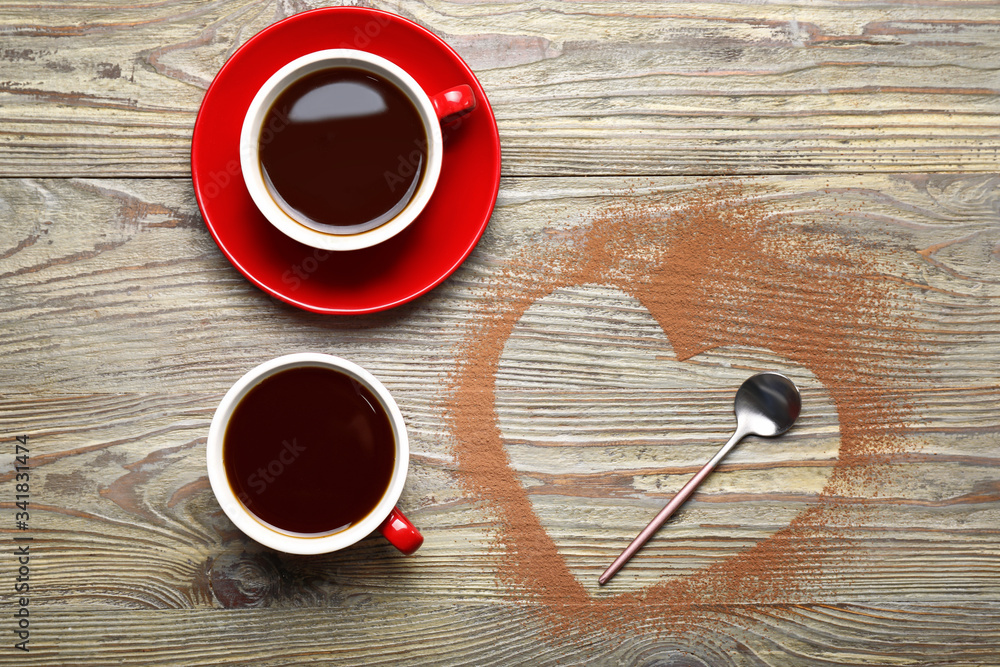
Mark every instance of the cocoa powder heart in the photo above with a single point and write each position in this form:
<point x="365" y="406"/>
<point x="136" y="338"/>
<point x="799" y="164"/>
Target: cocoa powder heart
<point x="719" y="272"/>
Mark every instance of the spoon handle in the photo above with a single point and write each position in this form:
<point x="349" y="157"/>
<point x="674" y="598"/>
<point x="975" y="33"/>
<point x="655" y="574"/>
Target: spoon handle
<point x="668" y="511"/>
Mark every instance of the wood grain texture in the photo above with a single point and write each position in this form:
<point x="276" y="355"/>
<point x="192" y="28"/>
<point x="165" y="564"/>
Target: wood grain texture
<point x="118" y="284"/>
<point x="600" y="88"/>
<point x="494" y="636"/>
<point x="123" y="325"/>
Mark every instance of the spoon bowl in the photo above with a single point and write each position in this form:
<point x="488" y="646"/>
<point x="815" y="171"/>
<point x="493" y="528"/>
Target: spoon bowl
<point x="766" y="404"/>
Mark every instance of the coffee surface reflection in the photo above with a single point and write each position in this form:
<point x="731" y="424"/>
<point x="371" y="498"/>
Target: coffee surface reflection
<point x="342" y="150"/>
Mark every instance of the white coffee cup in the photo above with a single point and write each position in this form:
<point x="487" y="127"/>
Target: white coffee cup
<point x="443" y="107"/>
<point x="385" y="517"/>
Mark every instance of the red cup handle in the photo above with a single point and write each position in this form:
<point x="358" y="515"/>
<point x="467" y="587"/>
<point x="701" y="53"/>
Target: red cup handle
<point x="454" y="103"/>
<point x="403" y="534"/>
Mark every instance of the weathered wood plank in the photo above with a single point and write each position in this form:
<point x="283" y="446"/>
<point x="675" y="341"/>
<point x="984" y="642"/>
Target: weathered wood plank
<point x="117" y="286"/>
<point x="112" y="89"/>
<point x="484" y="635"/>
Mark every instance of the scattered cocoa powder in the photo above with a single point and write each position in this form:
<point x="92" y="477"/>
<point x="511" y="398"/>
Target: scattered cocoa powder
<point x="723" y="269"/>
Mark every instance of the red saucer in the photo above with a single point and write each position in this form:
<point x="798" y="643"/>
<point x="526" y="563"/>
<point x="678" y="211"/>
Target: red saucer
<point x="393" y="272"/>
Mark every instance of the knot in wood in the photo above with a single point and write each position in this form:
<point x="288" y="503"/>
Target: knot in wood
<point x="245" y="580"/>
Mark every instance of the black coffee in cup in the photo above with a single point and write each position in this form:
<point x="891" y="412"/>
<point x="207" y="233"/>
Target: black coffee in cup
<point x="309" y="450"/>
<point x="342" y="150"/>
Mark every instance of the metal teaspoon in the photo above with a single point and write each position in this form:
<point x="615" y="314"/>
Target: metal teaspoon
<point x="766" y="404"/>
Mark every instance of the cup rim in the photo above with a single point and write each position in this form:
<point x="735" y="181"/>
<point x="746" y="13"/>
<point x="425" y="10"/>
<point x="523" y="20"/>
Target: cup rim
<point x="270" y="536"/>
<point x="250" y="152"/>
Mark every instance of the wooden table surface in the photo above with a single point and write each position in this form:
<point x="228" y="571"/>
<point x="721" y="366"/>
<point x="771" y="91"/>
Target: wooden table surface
<point x="854" y="140"/>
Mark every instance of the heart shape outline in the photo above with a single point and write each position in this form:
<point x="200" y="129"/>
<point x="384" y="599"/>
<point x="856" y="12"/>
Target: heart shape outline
<point x="676" y="264"/>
